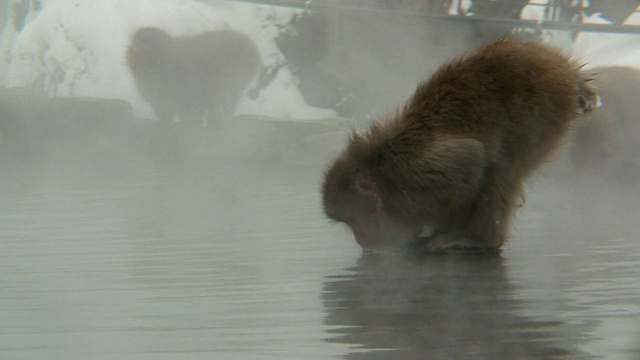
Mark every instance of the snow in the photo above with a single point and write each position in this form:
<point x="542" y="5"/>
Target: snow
<point x="77" y="48"/>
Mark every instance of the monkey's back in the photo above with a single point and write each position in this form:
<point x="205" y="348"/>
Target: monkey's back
<point x="516" y="98"/>
<point x="212" y="70"/>
<point x="214" y="63"/>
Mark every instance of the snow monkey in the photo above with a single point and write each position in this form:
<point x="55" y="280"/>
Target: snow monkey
<point x="196" y="78"/>
<point x="454" y="157"/>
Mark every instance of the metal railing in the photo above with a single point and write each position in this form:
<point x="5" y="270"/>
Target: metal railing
<point x="574" y="12"/>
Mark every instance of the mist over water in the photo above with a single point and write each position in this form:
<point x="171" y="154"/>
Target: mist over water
<point x="238" y="262"/>
<point x="120" y="239"/>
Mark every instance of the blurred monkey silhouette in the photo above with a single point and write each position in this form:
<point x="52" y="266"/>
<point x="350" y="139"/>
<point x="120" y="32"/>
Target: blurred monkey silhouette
<point x="198" y="79"/>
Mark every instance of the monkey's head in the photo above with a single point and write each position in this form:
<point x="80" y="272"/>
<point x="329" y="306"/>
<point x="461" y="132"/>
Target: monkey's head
<point x="356" y="193"/>
<point x="386" y="194"/>
<point x="148" y="46"/>
<point x="354" y="198"/>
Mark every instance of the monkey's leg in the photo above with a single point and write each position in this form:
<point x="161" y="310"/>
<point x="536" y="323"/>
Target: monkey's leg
<point x="489" y="217"/>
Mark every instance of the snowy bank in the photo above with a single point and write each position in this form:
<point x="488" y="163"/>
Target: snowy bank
<point x="77" y="48"/>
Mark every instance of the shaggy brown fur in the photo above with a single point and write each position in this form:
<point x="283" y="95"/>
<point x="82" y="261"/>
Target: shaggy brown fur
<point x="455" y="156"/>
<point x="195" y="77"/>
<point x="607" y="143"/>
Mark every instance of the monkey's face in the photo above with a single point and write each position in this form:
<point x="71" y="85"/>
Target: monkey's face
<point x="380" y="232"/>
<point x="358" y="205"/>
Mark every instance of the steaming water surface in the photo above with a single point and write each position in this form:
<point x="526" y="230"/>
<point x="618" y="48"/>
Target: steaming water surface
<point x="238" y="263"/>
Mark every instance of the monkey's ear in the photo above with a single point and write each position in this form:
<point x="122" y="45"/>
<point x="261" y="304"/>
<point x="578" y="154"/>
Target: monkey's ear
<point x="365" y="185"/>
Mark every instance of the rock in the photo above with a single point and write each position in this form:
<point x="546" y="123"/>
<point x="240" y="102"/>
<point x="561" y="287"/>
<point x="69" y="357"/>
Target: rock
<point x="36" y="127"/>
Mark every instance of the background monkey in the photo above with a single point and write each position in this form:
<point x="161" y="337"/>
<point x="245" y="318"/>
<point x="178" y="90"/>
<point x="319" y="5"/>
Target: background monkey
<point x="194" y="77"/>
<point x="606" y="144"/>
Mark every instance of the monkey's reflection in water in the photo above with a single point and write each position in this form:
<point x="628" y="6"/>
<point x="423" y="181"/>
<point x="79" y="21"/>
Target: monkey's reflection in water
<point x="445" y="307"/>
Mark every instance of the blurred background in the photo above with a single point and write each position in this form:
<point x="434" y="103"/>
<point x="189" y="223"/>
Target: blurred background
<point x="201" y="235"/>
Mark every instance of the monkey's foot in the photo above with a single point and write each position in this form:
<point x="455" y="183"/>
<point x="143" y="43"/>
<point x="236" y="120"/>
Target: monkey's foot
<point x="453" y="244"/>
<point x="588" y="99"/>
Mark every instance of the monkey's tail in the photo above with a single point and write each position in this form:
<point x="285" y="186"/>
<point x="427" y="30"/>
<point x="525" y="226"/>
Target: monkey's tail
<point x="588" y="98"/>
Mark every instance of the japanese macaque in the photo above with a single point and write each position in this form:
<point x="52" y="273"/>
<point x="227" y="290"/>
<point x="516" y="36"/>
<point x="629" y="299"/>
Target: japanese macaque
<point x="454" y="157"/>
<point x="196" y="78"/>
<point x="606" y="144"/>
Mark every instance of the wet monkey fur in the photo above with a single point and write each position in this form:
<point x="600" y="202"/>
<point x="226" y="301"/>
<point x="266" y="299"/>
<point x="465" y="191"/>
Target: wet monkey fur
<point x="194" y="77"/>
<point x="454" y="157"/>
